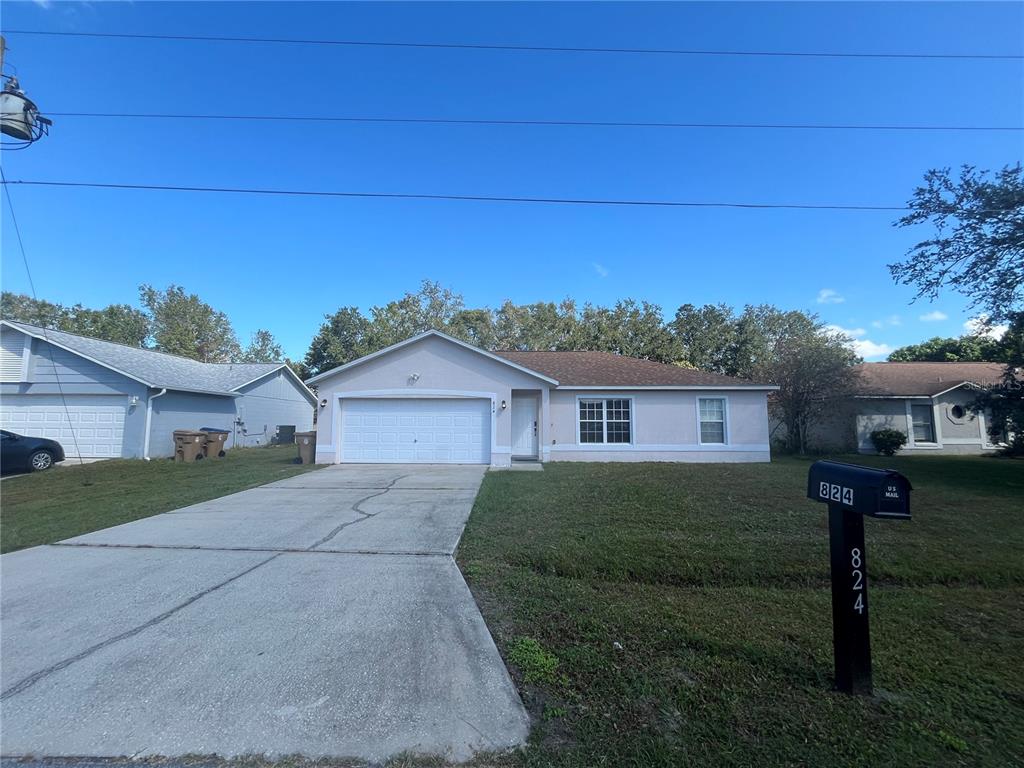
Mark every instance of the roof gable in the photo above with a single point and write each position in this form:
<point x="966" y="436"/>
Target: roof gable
<point x="426" y="335"/>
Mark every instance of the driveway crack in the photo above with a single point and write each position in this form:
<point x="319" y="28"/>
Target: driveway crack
<point x="35" y="677"/>
<point x="355" y="508"/>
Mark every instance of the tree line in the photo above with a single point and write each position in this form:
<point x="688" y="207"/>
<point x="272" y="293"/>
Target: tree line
<point x="170" y="321"/>
<point x="713" y="338"/>
<point x="790" y="348"/>
<point x="811" y="365"/>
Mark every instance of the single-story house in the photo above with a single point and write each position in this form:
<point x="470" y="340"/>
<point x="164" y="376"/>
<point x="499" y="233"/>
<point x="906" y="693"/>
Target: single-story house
<point x="928" y="402"/>
<point x="433" y="398"/>
<point x="101" y="399"/>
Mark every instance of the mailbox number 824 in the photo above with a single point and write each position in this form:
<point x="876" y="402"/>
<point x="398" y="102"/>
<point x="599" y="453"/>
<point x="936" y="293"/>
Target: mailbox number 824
<point x="858" y="579"/>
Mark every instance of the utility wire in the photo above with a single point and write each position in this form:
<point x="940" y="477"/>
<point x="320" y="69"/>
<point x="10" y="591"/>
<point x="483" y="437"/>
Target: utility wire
<point x="571" y="123"/>
<point x="32" y="286"/>
<point x="471" y="198"/>
<point x="536" y="48"/>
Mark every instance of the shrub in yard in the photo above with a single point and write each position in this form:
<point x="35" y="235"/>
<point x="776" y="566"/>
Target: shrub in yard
<point x="537" y="664"/>
<point x="888" y="441"/>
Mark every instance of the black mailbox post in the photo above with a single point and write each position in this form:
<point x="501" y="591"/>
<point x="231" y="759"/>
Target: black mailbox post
<point x="851" y="492"/>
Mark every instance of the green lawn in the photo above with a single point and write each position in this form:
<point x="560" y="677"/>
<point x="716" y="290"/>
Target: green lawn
<point x="658" y="615"/>
<point x="71" y="500"/>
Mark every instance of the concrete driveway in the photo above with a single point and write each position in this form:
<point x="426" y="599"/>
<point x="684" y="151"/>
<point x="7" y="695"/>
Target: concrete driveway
<point x="321" y="615"/>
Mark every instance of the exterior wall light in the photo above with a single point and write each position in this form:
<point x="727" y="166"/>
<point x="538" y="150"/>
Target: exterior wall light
<point x="504" y="405"/>
<point x="323" y="403"/>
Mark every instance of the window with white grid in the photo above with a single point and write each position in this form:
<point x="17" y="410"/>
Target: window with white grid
<point x="712" y="419"/>
<point x="605" y="421"/>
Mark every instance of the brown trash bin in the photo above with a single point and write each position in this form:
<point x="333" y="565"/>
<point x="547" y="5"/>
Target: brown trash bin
<point x="188" y="445"/>
<point x="216" y="440"/>
<point x="307" y="447"/>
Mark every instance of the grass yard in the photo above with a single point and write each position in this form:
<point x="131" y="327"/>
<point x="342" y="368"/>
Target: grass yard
<point x="71" y="500"/>
<point x="671" y="615"/>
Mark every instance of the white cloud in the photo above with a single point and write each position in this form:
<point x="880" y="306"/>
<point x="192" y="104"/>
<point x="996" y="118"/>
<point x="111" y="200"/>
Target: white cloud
<point x="863" y="347"/>
<point x="829" y="296"/>
<point x="890" y="320"/>
<point x="868" y="349"/>
<point x="933" y="317"/>
<point x="977" y="326"/>
<point x="601" y="269"/>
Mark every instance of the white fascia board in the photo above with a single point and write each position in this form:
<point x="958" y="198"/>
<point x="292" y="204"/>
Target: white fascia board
<point x="413" y="340"/>
<point x="48" y="340"/>
<point x="679" y="387"/>
<point x="305" y="390"/>
<point x="961" y="384"/>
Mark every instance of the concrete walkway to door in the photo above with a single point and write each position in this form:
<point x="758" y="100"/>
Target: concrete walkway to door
<point x="321" y="615"/>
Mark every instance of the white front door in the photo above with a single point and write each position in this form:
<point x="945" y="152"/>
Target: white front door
<point x="421" y="430"/>
<point x="524" y="427"/>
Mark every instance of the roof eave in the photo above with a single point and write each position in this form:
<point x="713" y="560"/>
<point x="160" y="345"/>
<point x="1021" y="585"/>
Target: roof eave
<point x="419" y="337"/>
<point x="673" y="387"/>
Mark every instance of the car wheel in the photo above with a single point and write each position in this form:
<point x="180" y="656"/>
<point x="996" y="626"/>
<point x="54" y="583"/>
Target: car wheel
<point x="40" y="460"/>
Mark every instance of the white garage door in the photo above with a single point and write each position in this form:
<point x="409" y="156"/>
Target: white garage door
<point x="95" y="420"/>
<point x="431" y="431"/>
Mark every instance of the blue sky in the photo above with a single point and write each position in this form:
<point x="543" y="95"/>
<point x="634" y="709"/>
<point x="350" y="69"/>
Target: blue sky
<point x="282" y="263"/>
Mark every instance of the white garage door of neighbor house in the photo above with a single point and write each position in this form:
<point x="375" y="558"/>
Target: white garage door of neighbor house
<point x="429" y="431"/>
<point x="97" y="421"/>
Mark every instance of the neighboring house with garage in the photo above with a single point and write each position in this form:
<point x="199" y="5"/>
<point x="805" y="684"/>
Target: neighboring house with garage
<point x="101" y="399"/>
<point x="928" y="402"/>
<point x="433" y="398"/>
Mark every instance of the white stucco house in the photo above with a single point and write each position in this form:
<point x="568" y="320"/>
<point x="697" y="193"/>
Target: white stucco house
<point x="99" y="399"/>
<point x="433" y="398"/>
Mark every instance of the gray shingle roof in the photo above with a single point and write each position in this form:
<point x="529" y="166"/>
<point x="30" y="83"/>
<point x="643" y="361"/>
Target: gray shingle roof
<point x="157" y="369"/>
<point x="922" y="379"/>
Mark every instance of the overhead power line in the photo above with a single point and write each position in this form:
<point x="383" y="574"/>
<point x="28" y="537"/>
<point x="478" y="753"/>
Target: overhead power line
<point x="534" y="48"/>
<point x="35" y="296"/>
<point x="466" y="198"/>
<point x="569" y="123"/>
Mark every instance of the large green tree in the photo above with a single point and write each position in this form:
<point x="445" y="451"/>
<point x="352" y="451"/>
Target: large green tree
<point x="977" y="243"/>
<point x="183" y="324"/>
<point x="263" y="348"/>
<point x="628" y="328"/>
<point x="116" y="322"/>
<point x="813" y="369"/>
<point x="543" y="325"/>
<point x="965" y="349"/>
<point x="343" y="337"/>
<point x="1003" y="403"/>
<point x="431" y="307"/>
<point x="706" y="336"/>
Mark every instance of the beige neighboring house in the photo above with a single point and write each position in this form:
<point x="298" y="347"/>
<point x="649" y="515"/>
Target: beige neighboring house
<point x="436" y="399"/>
<point x="928" y="402"/>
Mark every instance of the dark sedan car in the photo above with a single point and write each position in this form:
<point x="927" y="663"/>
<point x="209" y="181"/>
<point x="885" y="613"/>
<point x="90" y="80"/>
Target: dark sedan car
<point x="20" y="453"/>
